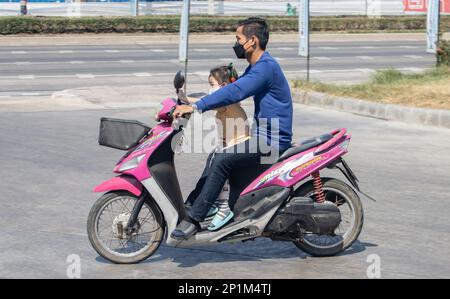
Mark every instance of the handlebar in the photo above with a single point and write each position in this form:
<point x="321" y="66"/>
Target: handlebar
<point x="172" y="110"/>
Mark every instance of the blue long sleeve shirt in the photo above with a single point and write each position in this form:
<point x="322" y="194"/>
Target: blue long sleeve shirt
<point x="267" y="84"/>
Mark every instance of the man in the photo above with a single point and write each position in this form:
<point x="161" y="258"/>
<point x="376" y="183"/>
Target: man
<point x="265" y="81"/>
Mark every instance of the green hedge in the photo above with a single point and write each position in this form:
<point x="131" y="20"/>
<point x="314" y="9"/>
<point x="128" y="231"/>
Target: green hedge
<point x="443" y="53"/>
<point x="33" y="25"/>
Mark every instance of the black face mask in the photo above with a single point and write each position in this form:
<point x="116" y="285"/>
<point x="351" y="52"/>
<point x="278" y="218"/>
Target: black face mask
<point x="240" y="50"/>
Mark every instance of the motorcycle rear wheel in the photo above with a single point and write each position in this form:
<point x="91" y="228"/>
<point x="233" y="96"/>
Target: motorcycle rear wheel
<point x="340" y="194"/>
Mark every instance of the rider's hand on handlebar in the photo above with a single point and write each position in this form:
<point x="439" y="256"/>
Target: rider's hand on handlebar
<point x="185" y="99"/>
<point x="182" y="110"/>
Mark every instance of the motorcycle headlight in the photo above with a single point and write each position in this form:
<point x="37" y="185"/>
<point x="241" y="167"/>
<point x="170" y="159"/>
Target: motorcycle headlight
<point x="133" y="163"/>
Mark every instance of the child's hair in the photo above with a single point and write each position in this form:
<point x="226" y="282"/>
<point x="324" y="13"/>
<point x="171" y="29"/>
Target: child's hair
<point x="224" y="74"/>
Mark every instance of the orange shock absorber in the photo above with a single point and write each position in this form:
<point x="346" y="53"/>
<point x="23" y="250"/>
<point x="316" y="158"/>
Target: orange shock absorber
<point x="318" y="187"/>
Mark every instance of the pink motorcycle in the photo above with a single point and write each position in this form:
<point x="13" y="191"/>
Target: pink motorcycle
<point x="290" y="201"/>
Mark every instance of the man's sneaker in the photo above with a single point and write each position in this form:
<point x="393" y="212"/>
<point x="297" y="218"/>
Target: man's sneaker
<point x="184" y="230"/>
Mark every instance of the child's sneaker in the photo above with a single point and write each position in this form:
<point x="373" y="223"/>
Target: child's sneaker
<point x="222" y="217"/>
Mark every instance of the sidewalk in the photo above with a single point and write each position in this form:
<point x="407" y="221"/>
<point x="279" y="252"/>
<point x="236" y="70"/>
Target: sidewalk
<point x="217" y="38"/>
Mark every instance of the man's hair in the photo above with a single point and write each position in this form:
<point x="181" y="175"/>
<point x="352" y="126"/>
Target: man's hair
<point x="257" y="27"/>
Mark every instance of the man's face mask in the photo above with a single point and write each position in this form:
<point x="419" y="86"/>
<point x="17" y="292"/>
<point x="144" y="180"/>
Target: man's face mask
<point x="240" y="50"/>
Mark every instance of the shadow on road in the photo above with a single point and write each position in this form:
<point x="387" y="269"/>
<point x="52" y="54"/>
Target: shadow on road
<point x="191" y="257"/>
<point x="357" y="247"/>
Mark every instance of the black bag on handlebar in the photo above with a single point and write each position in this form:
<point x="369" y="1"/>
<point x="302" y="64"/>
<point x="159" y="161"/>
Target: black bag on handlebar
<point x="121" y="133"/>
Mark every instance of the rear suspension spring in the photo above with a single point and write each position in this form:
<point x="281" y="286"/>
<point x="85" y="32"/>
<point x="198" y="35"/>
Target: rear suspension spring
<point x="318" y="187"/>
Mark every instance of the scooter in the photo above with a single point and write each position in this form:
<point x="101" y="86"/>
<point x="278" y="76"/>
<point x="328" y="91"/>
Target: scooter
<point x="289" y="201"/>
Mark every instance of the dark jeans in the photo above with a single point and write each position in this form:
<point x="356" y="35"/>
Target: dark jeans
<point x="239" y="158"/>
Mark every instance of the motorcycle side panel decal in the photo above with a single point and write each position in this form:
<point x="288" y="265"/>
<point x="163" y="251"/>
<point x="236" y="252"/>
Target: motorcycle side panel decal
<point x="295" y="169"/>
<point x="285" y="168"/>
<point x="150" y="141"/>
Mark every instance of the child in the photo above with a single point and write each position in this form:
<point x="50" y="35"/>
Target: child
<point x="219" y="77"/>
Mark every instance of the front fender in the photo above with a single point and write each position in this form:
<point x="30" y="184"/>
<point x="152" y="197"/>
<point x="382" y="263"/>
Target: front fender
<point x="121" y="182"/>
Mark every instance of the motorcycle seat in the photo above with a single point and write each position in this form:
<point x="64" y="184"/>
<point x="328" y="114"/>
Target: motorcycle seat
<point x="305" y="145"/>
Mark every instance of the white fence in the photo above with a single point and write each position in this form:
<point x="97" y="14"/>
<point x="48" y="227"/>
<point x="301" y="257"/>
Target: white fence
<point x="228" y="7"/>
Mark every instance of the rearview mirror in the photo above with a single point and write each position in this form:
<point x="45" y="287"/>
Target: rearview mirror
<point x="179" y="80"/>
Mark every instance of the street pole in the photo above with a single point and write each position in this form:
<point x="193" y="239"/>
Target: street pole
<point x="23" y="7"/>
<point x="303" y="26"/>
<point x="211" y="7"/>
<point x="433" y="19"/>
<point x="308" y="57"/>
<point x="134" y="7"/>
<point x="184" y="38"/>
<point x="367" y="7"/>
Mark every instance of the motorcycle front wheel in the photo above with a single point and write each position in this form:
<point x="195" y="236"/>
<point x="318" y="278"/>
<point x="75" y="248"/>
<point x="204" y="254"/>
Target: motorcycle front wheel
<point x="108" y="232"/>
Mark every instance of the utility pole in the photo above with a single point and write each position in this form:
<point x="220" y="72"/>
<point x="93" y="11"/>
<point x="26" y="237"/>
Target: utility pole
<point x="134" y="7"/>
<point x="433" y="20"/>
<point x="184" y="38"/>
<point x="211" y="11"/>
<point x="23" y="7"/>
<point x="303" y="27"/>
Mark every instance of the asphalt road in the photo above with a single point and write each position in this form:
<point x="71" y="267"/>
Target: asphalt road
<point x="42" y="70"/>
<point x="50" y="161"/>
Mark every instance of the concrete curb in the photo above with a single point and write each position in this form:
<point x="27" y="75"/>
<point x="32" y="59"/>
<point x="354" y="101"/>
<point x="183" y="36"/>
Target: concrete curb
<point x="430" y="117"/>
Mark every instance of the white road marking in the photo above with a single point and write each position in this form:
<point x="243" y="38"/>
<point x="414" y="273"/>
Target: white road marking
<point x="202" y="74"/>
<point x="18" y="52"/>
<point x="65" y="51"/>
<point x="285" y="49"/>
<point x="201" y="50"/>
<point x="126" y="61"/>
<point x="414" y="56"/>
<point x="321" y="58"/>
<point x="367" y="47"/>
<point x="112" y="51"/>
<point x="328" y="48"/>
<point x="142" y="74"/>
<point x="85" y="76"/>
<point x="409" y="47"/>
<point x="76" y="62"/>
<point x="364" y="57"/>
<point x="23" y="63"/>
<point x="158" y="51"/>
<point x="30" y="94"/>
<point x="26" y="77"/>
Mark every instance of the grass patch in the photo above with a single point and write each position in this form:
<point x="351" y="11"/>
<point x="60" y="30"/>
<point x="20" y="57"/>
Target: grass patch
<point x="430" y="89"/>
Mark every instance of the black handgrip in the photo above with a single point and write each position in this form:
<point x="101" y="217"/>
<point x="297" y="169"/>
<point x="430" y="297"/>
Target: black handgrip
<point x="172" y="110"/>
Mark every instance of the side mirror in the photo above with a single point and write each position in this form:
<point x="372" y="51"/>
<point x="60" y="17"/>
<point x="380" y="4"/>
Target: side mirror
<point x="179" y="80"/>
